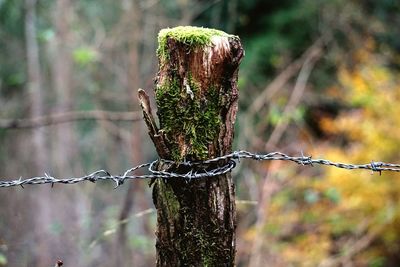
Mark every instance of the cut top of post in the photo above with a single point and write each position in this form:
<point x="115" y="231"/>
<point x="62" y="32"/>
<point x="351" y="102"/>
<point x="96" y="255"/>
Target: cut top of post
<point x="193" y="36"/>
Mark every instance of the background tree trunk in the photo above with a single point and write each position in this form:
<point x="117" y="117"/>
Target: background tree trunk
<point x="196" y="95"/>
<point x="135" y="193"/>
<point x="35" y="89"/>
<point x="65" y="143"/>
<point x="35" y="84"/>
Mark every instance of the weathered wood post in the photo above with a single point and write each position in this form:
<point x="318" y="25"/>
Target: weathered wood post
<point x="196" y="95"/>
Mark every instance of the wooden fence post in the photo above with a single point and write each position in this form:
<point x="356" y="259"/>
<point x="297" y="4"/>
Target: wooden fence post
<point x="196" y="96"/>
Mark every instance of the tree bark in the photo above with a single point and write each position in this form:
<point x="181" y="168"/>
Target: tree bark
<point x="196" y="95"/>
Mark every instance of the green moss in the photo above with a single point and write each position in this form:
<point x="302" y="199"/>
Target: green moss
<point x="205" y="246"/>
<point x="197" y="118"/>
<point x="190" y="35"/>
<point x="171" y="201"/>
<point x="209" y="253"/>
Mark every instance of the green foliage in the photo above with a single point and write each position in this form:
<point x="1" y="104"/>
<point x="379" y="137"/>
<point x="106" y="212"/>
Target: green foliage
<point x="84" y="56"/>
<point x="3" y="260"/>
<point x="311" y="196"/>
<point x="332" y="194"/>
<point x="12" y="73"/>
<point x="11" y="18"/>
<point x="46" y="35"/>
<point x="142" y="242"/>
<point x="276" y="37"/>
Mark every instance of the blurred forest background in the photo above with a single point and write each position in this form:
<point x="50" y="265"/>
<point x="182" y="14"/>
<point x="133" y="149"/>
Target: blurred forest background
<point x="318" y="76"/>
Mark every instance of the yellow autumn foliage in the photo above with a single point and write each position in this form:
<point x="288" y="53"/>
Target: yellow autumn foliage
<point x="344" y="213"/>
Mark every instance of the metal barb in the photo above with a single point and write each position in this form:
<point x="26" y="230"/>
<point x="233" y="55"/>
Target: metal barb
<point x="198" y="169"/>
<point x="375" y="167"/>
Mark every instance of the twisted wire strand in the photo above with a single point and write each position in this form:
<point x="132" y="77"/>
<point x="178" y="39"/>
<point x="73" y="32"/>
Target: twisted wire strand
<point x="198" y="169"/>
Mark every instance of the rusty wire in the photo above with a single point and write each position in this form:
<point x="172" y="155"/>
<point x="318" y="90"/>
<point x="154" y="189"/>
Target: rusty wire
<point x="189" y="170"/>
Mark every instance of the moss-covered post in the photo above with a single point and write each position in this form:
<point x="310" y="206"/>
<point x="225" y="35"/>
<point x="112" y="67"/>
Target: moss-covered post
<point x="196" y="96"/>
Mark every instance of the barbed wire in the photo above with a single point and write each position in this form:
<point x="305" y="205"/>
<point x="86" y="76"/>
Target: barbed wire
<point x="189" y="170"/>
